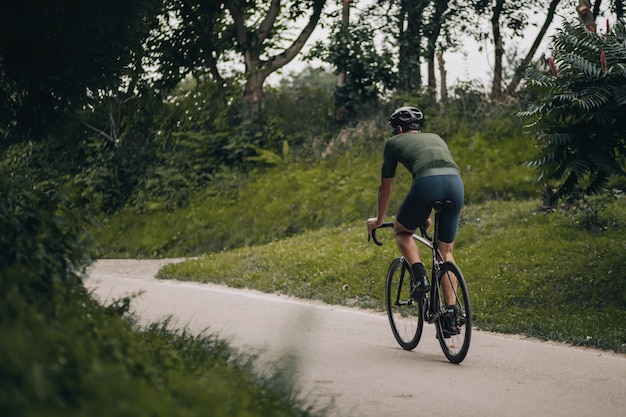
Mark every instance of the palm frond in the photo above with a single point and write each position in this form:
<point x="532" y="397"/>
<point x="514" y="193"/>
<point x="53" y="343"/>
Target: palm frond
<point x="559" y="139"/>
<point x="537" y="78"/>
<point x="593" y="97"/>
<point x="542" y="161"/>
<point x="568" y="186"/>
<point x="619" y="93"/>
<point x="577" y="165"/>
<point x="578" y="64"/>
<point x="597" y="184"/>
<point x="604" y="162"/>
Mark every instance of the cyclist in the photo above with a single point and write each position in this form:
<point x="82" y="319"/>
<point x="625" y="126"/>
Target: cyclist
<point x="435" y="177"/>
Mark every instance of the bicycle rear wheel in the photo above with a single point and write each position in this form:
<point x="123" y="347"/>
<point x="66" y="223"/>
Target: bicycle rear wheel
<point x="454" y="325"/>
<point x="405" y="314"/>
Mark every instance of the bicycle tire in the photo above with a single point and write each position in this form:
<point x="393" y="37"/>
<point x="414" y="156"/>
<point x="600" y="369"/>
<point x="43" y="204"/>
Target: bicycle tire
<point x="405" y="314"/>
<point x="454" y="346"/>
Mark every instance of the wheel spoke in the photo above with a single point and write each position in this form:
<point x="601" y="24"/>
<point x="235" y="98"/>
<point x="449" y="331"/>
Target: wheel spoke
<point x="454" y="325"/>
<point x="405" y="315"/>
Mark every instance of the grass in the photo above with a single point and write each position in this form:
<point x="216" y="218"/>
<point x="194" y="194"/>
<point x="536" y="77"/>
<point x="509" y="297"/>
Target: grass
<point x="88" y="361"/>
<point x="529" y="273"/>
<point x="296" y="197"/>
<point x="299" y="229"/>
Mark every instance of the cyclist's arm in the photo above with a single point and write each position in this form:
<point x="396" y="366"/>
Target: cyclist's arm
<point x="384" y="196"/>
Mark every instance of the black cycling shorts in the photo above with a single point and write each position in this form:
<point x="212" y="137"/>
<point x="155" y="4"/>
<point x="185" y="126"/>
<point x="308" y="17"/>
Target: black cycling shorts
<point x="424" y="191"/>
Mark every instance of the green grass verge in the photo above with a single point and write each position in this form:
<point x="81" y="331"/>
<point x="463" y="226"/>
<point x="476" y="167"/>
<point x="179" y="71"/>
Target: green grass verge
<point x="296" y="197"/>
<point x="528" y="272"/>
<point x="87" y="360"/>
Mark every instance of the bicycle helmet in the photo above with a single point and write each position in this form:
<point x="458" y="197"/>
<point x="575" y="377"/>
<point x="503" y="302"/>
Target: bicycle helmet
<point x="410" y="118"/>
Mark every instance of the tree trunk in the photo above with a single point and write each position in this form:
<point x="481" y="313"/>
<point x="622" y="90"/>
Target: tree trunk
<point x="496" y="89"/>
<point x="519" y="71"/>
<point x="340" y="109"/>
<point x="409" y="72"/>
<point x="443" y="100"/>
<point x="250" y="42"/>
<point x="585" y="14"/>
<point x="345" y="23"/>
<point x="432" y="31"/>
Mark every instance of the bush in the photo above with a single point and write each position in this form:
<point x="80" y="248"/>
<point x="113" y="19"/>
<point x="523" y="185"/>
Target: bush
<point x="63" y="354"/>
<point x="579" y="117"/>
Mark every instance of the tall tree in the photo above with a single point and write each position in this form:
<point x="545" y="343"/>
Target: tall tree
<point x="205" y="34"/>
<point x="368" y="67"/>
<point x="409" y="21"/>
<point x="498" y="43"/>
<point x="255" y="43"/>
<point x="511" y="15"/>
<point x="193" y="38"/>
<point x="345" y="27"/>
<point x="519" y="71"/>
<point x="432" y="30"/>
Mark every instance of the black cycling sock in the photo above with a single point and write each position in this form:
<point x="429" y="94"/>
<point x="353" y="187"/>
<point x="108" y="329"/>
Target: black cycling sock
<point x="418" y="270"/>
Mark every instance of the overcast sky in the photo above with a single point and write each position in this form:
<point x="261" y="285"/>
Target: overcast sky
<point x="472" y="63"/>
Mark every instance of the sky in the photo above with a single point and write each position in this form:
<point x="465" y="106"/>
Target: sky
<point x="473" y="63"/>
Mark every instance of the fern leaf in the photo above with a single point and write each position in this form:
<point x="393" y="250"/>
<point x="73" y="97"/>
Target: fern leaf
<point x="619" y="93"/>
<point x="597" y="184"/>
<point x="593" y="97"/>
<point x="559" y="138"/>
<point x="605" y="163"/>
<point x="582" y="64"/>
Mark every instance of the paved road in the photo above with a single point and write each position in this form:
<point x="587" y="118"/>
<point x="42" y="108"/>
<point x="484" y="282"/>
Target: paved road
<point x="348" y="358"/>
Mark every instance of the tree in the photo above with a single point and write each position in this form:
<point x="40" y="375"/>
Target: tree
<point x="432" y="30"/>
<point x="352" y="50"/>
<point x="253" y="43"/>
<point x="579" y="117"/>
<point x="199" y="37"/>
<point x="521" y="68"/>
<point x="193" y="38"/>
<point x="511" y="16"/>
<point x="586" y="13"/>
<point x="409" y="21"/>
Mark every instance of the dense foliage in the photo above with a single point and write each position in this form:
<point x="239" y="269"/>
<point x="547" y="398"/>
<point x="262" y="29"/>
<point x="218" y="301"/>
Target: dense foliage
<point x="54" y="59"/>
<point x="92" y="140"/>
<point x="64" y="354"/>
<point x="579" y="115"/>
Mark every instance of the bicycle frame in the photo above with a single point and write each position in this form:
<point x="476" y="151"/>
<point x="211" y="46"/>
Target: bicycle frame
<point x="431" y="314"/>
<point x="453" y="322"/>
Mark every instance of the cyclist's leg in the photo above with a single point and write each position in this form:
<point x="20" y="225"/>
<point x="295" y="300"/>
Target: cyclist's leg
<point x="412" y="213"/>
<point x="448" y="285"/>
<point x="448" y="224"/>
<point x="406" y="243"/>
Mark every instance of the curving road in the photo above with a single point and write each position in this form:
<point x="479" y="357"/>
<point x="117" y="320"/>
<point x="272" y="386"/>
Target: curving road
<point x="348" y="359"/>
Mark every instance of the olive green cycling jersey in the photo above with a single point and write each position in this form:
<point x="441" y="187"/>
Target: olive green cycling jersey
<point x="423" y="154"/>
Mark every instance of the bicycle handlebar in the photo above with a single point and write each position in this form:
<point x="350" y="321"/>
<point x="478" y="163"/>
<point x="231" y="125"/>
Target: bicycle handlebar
<point x="378" y="242"/>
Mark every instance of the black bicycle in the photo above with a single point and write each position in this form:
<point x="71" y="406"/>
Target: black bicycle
<point x="447" y="304"/>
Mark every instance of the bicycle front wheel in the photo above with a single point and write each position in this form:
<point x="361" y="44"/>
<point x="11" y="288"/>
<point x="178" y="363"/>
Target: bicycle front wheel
<point x="454" y="325"/>
<point x="405" y="314"/>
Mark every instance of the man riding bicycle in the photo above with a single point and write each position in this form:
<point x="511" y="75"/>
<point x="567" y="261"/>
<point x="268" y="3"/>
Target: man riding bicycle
<point x="435" y="177"/>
